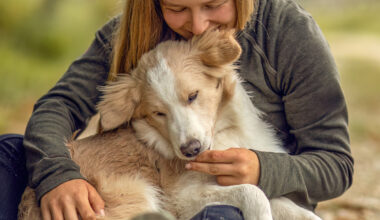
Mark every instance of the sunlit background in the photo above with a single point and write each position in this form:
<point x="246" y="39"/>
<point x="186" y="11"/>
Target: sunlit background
<point x="40" y="38"/>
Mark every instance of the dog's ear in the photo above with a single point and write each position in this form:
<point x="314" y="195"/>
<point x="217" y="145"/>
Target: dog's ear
<point x="220" y="48"/>
<point x="229" y="86"/>
<point x="119" y="100"/>
<point x="217" y="48"/>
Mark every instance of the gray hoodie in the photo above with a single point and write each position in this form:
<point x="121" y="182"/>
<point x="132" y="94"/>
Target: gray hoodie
<point x="287" y="65"/>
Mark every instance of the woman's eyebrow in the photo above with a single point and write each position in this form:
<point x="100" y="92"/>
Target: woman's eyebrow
<point x="166" y="3"/>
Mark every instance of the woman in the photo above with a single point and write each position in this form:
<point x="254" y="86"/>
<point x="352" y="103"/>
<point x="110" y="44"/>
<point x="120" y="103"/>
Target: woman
<point x="285" y="62"/>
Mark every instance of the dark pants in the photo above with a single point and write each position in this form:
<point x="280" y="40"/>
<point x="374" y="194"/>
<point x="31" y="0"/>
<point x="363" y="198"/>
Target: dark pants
<point x="219" y="212"/>
<point x="13" y="180"/>
<point x="13" y="175"/>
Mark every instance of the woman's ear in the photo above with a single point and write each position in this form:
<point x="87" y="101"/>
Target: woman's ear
<point x="217" y="48"/>
<point x="119" y="100"/>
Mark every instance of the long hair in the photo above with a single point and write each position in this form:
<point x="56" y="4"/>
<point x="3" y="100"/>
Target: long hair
<point x="142" y="27"/>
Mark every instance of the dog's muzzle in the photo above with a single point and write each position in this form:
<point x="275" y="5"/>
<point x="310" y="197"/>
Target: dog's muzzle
<point x="191" y="148"/>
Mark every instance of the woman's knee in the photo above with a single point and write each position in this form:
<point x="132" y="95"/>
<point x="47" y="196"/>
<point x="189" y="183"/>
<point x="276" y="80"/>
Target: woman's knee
<point x="214" y="212"/>
<point x="13" y="174"/>
<point x="11" y="143"/>
<point x="12" y="154"/>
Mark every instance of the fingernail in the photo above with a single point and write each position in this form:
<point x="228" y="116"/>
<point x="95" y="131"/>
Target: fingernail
<point x="188" y="166"/>
<point x="101" y="212"/>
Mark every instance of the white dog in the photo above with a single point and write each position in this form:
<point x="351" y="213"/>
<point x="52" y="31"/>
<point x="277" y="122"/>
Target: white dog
<point x="182" y="99"/>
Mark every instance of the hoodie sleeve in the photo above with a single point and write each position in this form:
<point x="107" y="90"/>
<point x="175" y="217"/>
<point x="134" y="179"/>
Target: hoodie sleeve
<point x="303" y="78"/>
<point x="64" y="109"/>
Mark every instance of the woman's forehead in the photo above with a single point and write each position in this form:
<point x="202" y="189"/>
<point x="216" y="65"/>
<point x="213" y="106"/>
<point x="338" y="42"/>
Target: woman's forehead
<point x="187" y="2"/>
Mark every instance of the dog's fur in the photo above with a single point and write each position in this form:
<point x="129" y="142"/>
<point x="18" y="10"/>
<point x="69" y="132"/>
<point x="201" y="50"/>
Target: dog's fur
<point x="183" y="98"/>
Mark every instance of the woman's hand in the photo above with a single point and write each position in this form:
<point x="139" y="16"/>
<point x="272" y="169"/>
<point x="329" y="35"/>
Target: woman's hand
<point x="71" y="198"/>
<point x="231" y="167"/>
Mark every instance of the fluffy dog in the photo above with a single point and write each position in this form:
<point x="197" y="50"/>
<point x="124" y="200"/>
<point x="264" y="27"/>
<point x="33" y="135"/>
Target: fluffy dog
<point x="183" y="98"/>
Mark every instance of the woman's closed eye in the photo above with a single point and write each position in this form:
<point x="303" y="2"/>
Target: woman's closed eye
<point x="176" y="9"/>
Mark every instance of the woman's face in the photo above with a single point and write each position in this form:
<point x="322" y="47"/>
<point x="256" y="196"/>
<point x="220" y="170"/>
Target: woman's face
<point x="193" y="17"/>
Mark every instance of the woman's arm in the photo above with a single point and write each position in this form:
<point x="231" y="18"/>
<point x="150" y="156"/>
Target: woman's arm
<point x="64" y="109"/>
<point x="305" y="76"/>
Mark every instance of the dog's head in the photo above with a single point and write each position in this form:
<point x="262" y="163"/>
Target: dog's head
<point x="174" y="95"/>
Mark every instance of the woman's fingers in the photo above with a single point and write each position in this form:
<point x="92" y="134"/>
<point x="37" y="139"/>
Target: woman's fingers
<point x="56" y="212"/>
<point x="69" y="212"/>
<point x="85" y="210"/>
<point x="232" y="166"/>
<point x="218" y="156"/>
<point x="215" y="169"/>
<point x="96" y="201"/>
<point x="45" y="211"/>
<point x="71" y="198"/>
<point x="83" y="202"/>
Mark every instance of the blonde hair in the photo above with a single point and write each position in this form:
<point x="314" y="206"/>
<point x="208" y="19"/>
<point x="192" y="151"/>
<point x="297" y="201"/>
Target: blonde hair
<point x="142" y="27"/>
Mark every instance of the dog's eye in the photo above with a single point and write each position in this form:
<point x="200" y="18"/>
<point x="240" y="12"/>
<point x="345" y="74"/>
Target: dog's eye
<point x="192" y="97"/>
<point x="159" y="113"/>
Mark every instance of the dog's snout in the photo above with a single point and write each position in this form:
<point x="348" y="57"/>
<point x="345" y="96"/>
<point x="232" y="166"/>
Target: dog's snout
<point x="191" y="148"/>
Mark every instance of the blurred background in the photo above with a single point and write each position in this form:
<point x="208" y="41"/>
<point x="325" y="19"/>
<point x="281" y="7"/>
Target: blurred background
<point x="40" y="38"/>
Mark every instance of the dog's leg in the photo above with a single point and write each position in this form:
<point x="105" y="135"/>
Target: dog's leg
<point x="193" y="197"/>
<point x="284" y="208"/>
<point x="248" y="198"/>
<point x="126" y="197"/>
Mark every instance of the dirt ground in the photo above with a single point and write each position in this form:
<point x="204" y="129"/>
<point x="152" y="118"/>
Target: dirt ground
<point x="362" y="200"/>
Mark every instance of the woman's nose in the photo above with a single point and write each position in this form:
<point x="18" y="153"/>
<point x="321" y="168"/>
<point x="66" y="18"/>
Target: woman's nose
<point x="200" y="23"/>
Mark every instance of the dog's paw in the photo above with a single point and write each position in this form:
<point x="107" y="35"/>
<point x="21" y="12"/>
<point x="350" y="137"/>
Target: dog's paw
<point x="310" y="216"/>
<point x="283" y="209"/>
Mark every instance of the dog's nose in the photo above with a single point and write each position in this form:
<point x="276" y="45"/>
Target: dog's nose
<point x="191" y="148"/>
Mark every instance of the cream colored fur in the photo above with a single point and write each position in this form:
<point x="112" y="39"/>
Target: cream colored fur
<point x="180" y="93"/>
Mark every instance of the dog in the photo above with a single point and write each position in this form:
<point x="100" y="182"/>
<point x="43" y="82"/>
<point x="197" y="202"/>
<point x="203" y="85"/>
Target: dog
<point x="183" y="98"/>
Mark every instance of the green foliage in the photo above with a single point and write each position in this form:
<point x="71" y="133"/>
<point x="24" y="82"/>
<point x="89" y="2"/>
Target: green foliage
<point x="359" y="16"/>
<point x="52" y="29"/>
<point x="360" y="82"/>
<point x="39" y="39"/>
